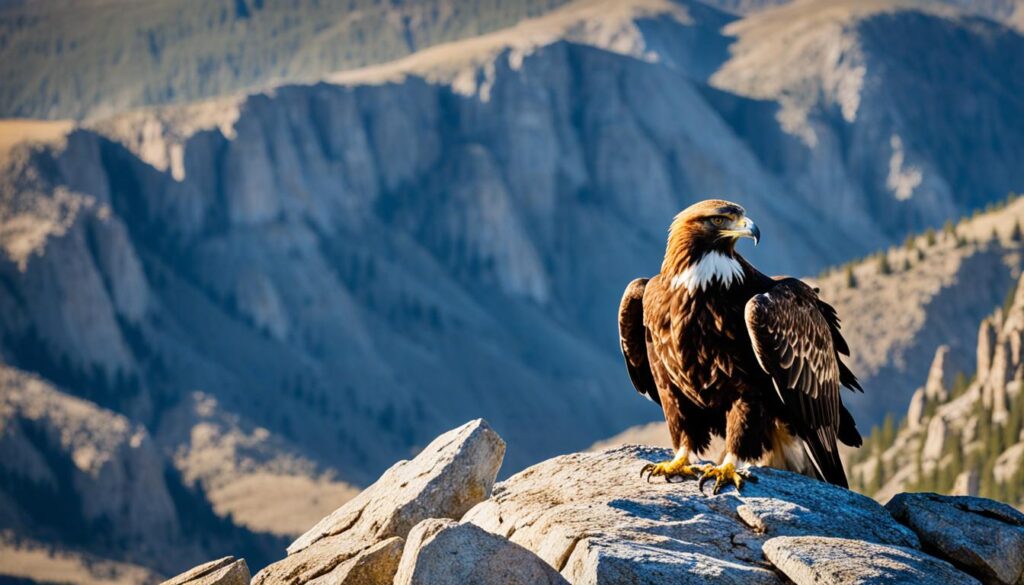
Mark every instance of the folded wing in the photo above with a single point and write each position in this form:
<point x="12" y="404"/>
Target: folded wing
<point x="633" y="339"/>
<point x="796" y="341"/>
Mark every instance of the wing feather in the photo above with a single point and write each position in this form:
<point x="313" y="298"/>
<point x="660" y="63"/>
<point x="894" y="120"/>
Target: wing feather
<point x="794" y="336"/>
<point x="633" y="340"/>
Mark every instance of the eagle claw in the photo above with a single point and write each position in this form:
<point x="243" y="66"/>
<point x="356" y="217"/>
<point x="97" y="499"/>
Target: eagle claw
<point x="671" y="469"/>
<point x="724" y="475"/>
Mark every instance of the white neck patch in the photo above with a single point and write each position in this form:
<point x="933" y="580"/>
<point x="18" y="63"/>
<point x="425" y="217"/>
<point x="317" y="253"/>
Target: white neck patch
<point x="714" y="265"/>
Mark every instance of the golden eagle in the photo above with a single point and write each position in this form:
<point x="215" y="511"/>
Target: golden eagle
<point x="728" y="351"/>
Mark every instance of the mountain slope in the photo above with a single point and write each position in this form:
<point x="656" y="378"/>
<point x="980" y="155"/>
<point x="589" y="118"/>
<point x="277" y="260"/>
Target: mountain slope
<point x="298" y="244"/>
<point x="932" y="291"/>
<point x="960" y="435"/>
<point x="899" y="135"/>
<point x="78" y="58"/>
<point x="96" y="483"/>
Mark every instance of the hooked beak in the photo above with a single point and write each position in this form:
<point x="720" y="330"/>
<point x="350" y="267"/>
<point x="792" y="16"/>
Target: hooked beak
<point x="744" y="228"/>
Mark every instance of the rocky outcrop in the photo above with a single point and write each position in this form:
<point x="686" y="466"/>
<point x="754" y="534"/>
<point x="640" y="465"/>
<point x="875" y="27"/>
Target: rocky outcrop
<point x="445" y="552"/>
<point x="967" y="483"/>
<point x="225" y="571"/>
<point x="833" y="561"/>
<point x="982" y="537"/>
<point x="986" y="344"/>
<point x="589" y="519"/>
<point x="589" y="516"/>
<point x="375" y="564"/>
<point x="935" y="439"/>
<point x="964" y="437"/>
<point x="451" y="475"/>
<point x="940" y="376"/>
<point x="915" y="412"/>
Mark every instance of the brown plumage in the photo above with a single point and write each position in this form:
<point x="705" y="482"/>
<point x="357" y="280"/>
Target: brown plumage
<point x="728" y="351"/>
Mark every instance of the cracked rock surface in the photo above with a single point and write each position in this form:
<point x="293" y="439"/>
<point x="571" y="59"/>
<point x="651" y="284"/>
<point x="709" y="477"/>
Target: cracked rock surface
<point x="445" y="552"/>
<point x="225" y="571"/>
<point x="448" y="477"/>
<point x="979" y="535"/>
<point x="819" y="560"/>
<point x="591" y="517"/>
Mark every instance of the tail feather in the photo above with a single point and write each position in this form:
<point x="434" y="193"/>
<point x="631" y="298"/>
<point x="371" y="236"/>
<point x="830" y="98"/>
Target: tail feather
<point x="821" y="449"/>
<point x="848" y="433"/>
<point x="807" y="456"/>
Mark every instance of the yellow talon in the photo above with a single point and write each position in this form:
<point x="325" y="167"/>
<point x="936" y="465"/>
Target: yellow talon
<point x="673" y="468"/>
<point x="724" y="475"/>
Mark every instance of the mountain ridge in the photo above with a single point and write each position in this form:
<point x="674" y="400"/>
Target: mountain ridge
<point x="299" y="286"/>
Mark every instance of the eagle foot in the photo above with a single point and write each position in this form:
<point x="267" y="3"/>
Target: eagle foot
<point x="672" y="468"/>
<point x="724" y="475"/>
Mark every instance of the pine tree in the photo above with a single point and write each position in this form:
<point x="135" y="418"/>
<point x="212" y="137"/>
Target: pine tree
<point x="1010" y="296"/>
<point x="906" y="264"/>
<point x="876" y="478"/>
<point x="883" y="263"/>
<point x="996" y="444"/>
<point x="929" y="237"/>
<point x="987" y="483"/>
<point x="888" y="432"/>
<point x="851" y="279"/>
<point x="949" y="229"/>
<point x="1015" y="495"/>
<point x="953" y="463"/>
<point x="1014" y="422"/>
<point x="1015" y="235"/>
<point x="960" y="384"/>
<point x="919" y="481"/>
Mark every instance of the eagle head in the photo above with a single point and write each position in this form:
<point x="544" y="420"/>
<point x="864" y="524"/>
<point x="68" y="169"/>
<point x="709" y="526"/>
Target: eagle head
<point x="706" y="231"/>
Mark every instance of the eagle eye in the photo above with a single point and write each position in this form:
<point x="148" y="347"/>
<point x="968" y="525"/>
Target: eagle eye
<point x="718" y="220"/>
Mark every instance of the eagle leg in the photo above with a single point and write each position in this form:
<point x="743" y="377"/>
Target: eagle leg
<point x="678" y="467"/>
<point x="725" y="474"/>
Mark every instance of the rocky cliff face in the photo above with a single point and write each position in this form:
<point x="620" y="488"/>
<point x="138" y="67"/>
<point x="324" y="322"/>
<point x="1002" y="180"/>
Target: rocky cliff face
<point x="960" y="435"/>
<point x="841" y="75"/>
<point x="930" y="292"/>
<point x="95" y="482"/>
<point x="589" y="519"/>
<point x="288" y="255"/>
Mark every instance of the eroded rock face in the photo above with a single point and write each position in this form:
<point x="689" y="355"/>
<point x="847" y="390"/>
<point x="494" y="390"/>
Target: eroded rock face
<point x="452" y="474"/>
<point x="940" y="376"/>
<point x="444" y="552"/>
<point x="986" y="343"/>
<point x="225" y="571"/>
<point x="983" y="537"/>
<point x="63" y="449"/>
<point x="591" y="517"/>
<point x="815" y="560"/>
<point x="915" y="412"/>
<point x="376" y="564"/>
